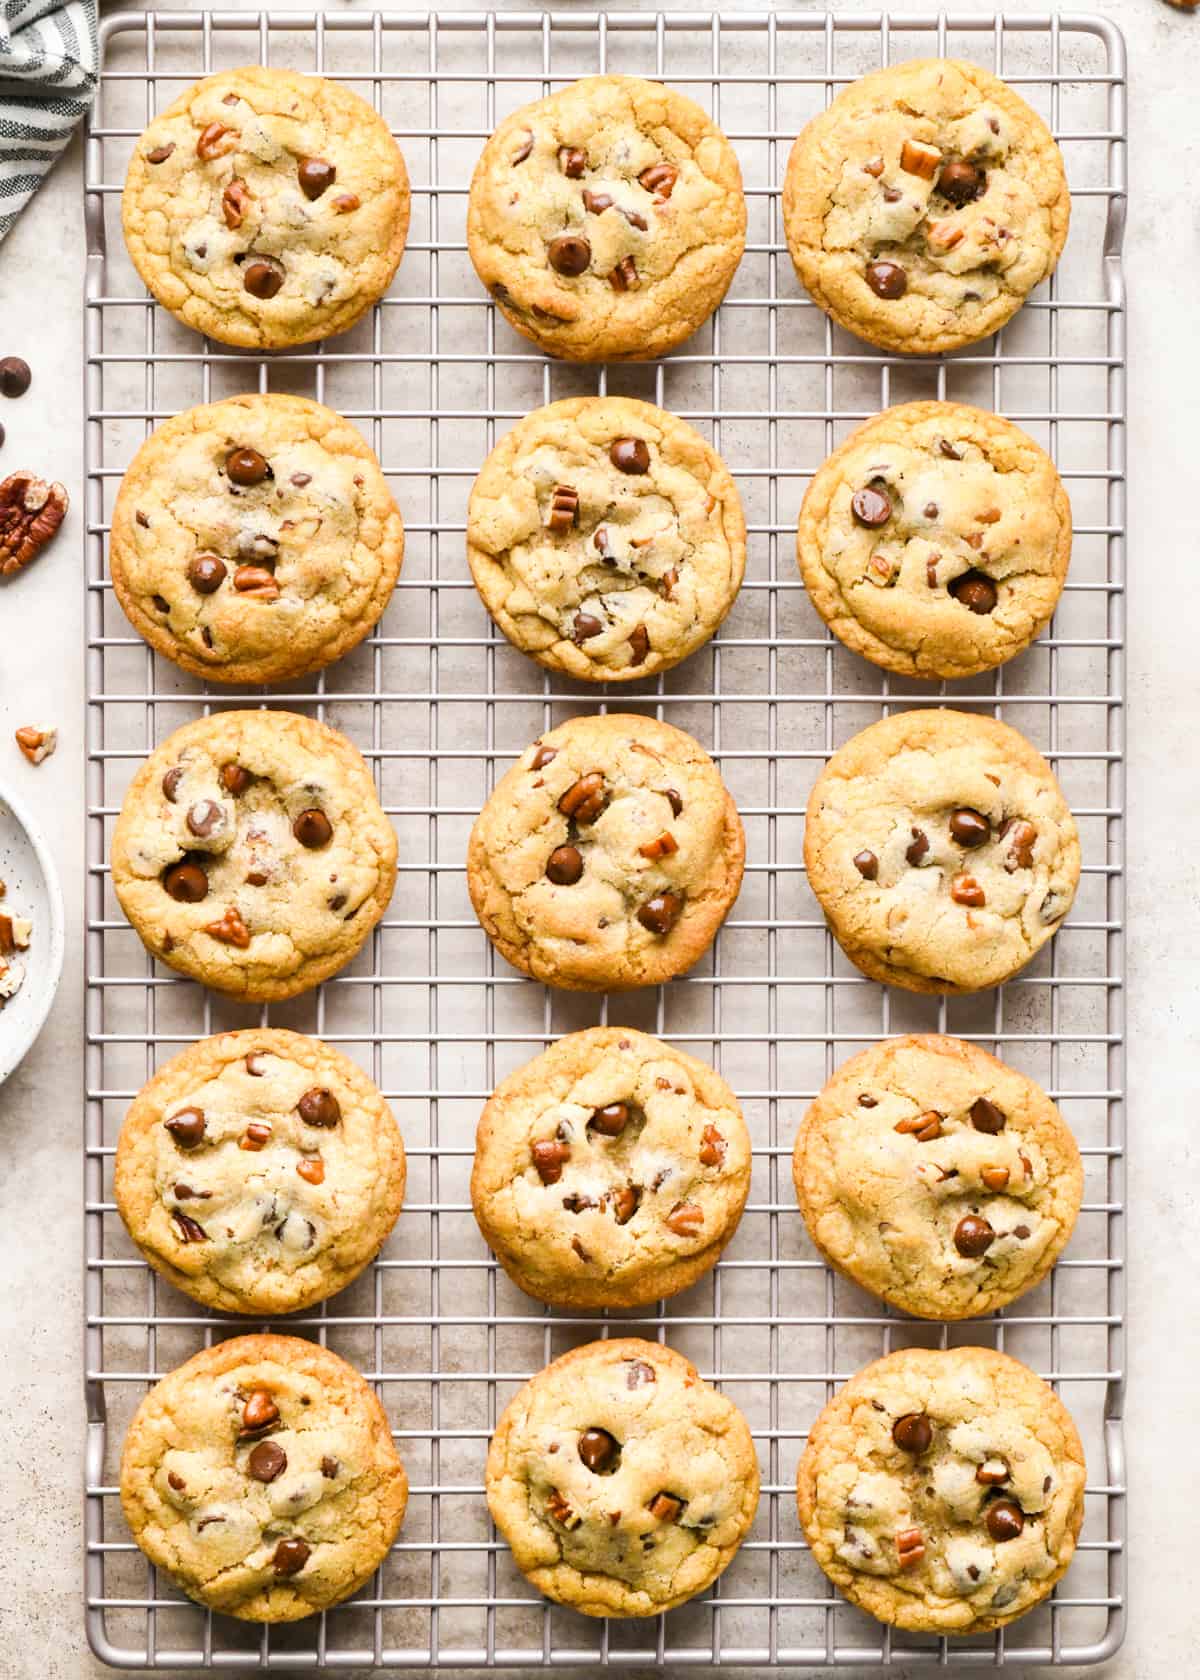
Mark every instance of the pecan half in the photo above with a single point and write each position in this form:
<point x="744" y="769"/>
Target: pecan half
<point x="234" y="201"/>
<point x="30" y="513"/>
<point x="215" y="140"/>
<point x="685" y="1219"/>
<point x="256" y="580"/>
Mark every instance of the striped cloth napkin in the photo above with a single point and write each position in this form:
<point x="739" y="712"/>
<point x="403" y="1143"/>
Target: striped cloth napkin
<point x="49" y="62"/>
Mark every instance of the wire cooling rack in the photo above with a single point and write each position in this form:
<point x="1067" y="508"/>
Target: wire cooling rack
<point x="440" y="704"/>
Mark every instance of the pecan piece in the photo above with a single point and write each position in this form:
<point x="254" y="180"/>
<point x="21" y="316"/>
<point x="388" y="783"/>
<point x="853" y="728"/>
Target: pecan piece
<point x="712" y="1147"/>
<point x="345" y="202"/>
<point x="665" y="844"/>
<point x="916" y="158"/>
<point x="234" y="201"/>
<point x="624" y="278"/>
<point x="585" y="799"/>
<point x="230" y="930"/>
<point x="659" y="179"/>
<point x="30" y="513"/>
<point x="36" y="742"/>
<point x="257" y="581"/>
<point x="666" y="1507"/>
<point x="910" y="1547"/>
<point x="925" y="1127"/>
<point x="564" y="508"/>
<point x="561" y="1512"/>
<point x="685" y="1219"/>
<point x="189" y="1230"/>
<point x="1021" y="836"/>
<point x="215" y="140"/>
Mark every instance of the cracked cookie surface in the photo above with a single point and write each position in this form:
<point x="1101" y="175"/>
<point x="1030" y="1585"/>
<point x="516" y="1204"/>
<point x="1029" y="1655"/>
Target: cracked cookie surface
<point x="942" y="1489"/>
<point x="255" y="539"/>
<point x="262" y="1477"/>
<point x="935" y="541"/>
<point x="623" y="1483"/>
<point x="607" y="219"/>
<point x="936" y="1177"/>
<point x="266" y="208"/>
<point x="610" y="1171"/>
<point x="941" y="850"/>
<point x="606" y="538"/>
<point x="252" y="853"/>
<point x="608" y="856"/>
<point x="924" y="205"/>
<point x="259" y="1171"/>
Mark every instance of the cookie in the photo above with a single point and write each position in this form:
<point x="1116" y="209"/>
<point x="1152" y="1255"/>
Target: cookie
<point x="941" y="850"/>
<point x="259" y="1171"/>
<point x="252" y="854"/>
<point x="262" y="1477"/>
<point x="942" y="1489"/>
<point x="608" y="856"/>
<point x="265" y="208"/>
<point x="610" y="1171"/>
<point x="623" y="1483"/>
<point x="255" y="540"/>
<point x="937" y="1178"/>
<point x="606" y="538"/>
<point x="936" y="540"/>
<point x="607" y="219"/>
<point x="924" y="205"/>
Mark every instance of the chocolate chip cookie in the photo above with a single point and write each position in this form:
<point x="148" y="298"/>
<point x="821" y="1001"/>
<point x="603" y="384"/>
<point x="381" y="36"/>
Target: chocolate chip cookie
<point x="942" y="1489"/>
<point x="941" y="850"/>
<point x="255" y="539"/>
<point x="252" y="853"/>
<point x="936" y="540"/>
<point x="262" y="1477"/>
<point x="924" y="205"/>
<point x="266" y="208"/>
<point x="610" y="1171"/>
<point x="259" y="1171"/>
<point x="607" y="220"/>
<point x="936" y="1177"/>
<point x="608" y="856"/>
<point x="606" y="538"/>
<point x="623" y="1483"/>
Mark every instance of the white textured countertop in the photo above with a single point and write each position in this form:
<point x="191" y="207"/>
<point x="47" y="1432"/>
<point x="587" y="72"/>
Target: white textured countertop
<point x="41" y="679"/>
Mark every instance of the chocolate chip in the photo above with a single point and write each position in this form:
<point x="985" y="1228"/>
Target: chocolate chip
<point x="186" y="883"/>
<point x="639" y="644"/>
<point x="204" y="818"/>
<point x="660" y="179"/>
<point x="599" y="1451"/>
<point x="913" y="1433"/>
<point x="660" y="913"/>
<point x="975" y="591"/>
<point x="572" y="161"/>
<point x="235" y="779"/>
<point x="870" y="507"/>
<point x="259" y="1412"/>
<point x="329" y="1467"/>
<point x="290" y="1557"/>
<point x="596" y="203"/>
<point x="917" y="850"/>
<point x="624" y="278"/>
<point x="946" y="448"/>
<point x="629" y="455"/>
<point x="973" y="1236"/>
<point x="867" y="865"/>
<point x="584" y="627"/>
<point x="315" y="175"/>
<point x="313" y="829"/>
<point x="609" y="1121"/>
<point x="206" y="573"/>
<point x="569" y="254"/>
<point x="186" y="1127"/>
<point x="887" y="280"/>
<point x="866" y="1101"/>
<point x="638" y="1374"/>
<point x="15" y="377"/>
<point x="160" y="154"/>
<point x="673" y="799"/>
<point x="1021" y="1232"/>
<point x="564" y="866"/>
<point x="986" y="1117"/>
<point x="175" y="1481"/>
<point x="255" y="1064"/>
<point x="960" y="181"/>
<point x="266" y="1461"/>
<point x="970" y="827"/>
<point x="319" y="1107"/>
<point x="263" y="277"/>
<point x="170" y="783"/>
<point x="246" y="467"/>
<point x="1021" y="836"/>
<point x="1005" y="1519"/>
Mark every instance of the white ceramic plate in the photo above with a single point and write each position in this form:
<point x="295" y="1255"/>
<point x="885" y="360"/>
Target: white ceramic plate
<point x="28" y="871"/>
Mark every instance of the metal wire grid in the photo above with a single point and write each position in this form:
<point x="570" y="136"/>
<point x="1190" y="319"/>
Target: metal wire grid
<point x="440" y="704"/>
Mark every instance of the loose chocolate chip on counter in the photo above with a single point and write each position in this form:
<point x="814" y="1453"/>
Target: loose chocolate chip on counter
<point x="913" y="1433"/>
<point x="569" y="254"/>
<point x="596" y="203"/>
<point x="290" y="1557"/>
<point x="266" y="1461"/>
<point x="660" y="179"/>
<point x="625" y="277"/>
<point x="887" y="280"/>
<point x="666" y="1507"/>
<point x="629" y="455"/>
<point x="189" y="1230"/>
<point x="572" y="161"/>
<point x="625" y="1203"/>
<point x="975" y="591"/>
<point x="871" y="507"/>
<point x="917" y="850"/>
<point x="564" y="508"/>
<point x="315" y="175"/>
<point x="660" y="913"/>
<point x="160" y="154"/>
<point x="170" y="783"/>
<point x="638" y="1374"/>
<point x="960" y="181"/>
<point x="1005" y="1519"/>
<point x="973" y="1236"/>
<point x="206" y="573"/>
<point x="867" y="865"/>
<point x="969" y="827"/>
<point x="585" y="799"/>
<point x="639" y="644"/>
<point x="584" y="627"/>
<point x="15" y="377"/>
<point x="609" y="1121"/>
<point x="313" y="829"/>
<point x="186" y="1127"/>
<point x="599" y="1451"/>
<point x="235" y="779"/>
<point x="186" y="883"/>
<point x="204" y="818"/>
<point x="549" y="1156"/>
<point x="246" y="467"/>
<point x="319" y="1107"/>
<point x="259" y="1412"/>
<point x="263" y="277"/>
<point x="564" y="866"/>
<point x="986" y="1117"/>
<point x="965" y="889"/>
